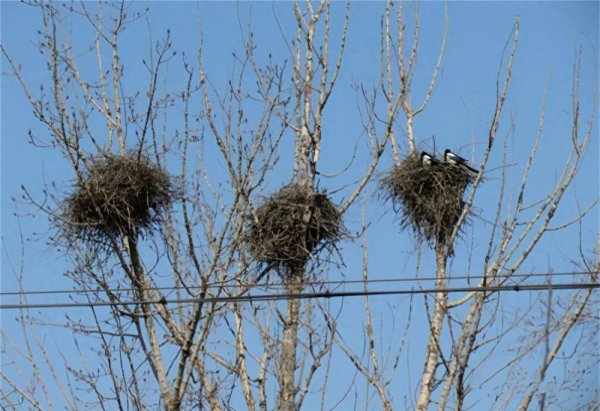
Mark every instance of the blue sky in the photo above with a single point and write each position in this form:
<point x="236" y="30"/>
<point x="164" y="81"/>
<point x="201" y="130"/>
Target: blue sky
<point x="458" y="116"/>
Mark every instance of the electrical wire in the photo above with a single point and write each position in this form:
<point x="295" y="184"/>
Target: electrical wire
<point x="313" y="295"/>
<point x="227" y="284"/>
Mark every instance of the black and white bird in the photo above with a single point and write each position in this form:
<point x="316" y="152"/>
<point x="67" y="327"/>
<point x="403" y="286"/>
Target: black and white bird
<point x="427" y="160"/>
<point x="451" y="158"/>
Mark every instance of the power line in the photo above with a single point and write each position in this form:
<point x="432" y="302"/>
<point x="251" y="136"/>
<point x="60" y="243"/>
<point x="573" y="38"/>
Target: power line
<point x="314" y="295"/>
<point x="284" y="284"/>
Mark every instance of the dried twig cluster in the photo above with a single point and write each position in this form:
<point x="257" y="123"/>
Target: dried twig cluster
<point x="287" y="228"/>
<point x="430" y="198"/>
<point x="119" y="195"/>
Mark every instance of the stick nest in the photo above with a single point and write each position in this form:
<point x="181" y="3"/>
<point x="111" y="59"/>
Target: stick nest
<point x="292" y="224"/>
<point x="119" y="195"/>
<point x="429" y="198"/>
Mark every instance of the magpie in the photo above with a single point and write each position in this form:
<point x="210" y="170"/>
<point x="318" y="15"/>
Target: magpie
<point x="451" y="158"/>
<point x="427" y="160"/>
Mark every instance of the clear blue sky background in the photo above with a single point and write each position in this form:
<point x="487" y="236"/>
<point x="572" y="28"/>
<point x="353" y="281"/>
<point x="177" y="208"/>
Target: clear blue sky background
<point x="458" y="116"/>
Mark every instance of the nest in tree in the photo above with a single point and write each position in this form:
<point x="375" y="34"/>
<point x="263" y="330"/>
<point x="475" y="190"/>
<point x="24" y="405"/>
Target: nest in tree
<point x="119" y="195"/>
<point x="430" y="198"/>
<point x="292" y="224"/>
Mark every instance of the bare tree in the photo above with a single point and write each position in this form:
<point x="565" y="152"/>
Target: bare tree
<point x="514" y="235"/>
<point x="202" y="241"/>
<point x="511" y="241"/>
<point x="176" y="248"/>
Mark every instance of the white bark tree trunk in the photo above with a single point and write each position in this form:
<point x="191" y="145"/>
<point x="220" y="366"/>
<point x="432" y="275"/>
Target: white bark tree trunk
<point x="435" y="332"/>
<point x="287" y="364"/>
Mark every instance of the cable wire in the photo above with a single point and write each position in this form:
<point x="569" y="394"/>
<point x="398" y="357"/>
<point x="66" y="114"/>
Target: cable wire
<point x="314" y="295"/>
<point x="284" y="284"/>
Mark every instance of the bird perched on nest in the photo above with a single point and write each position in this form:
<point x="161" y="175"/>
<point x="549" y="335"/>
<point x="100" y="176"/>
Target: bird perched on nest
<point x="427" y="160"/>
<point x="454" y="159"/>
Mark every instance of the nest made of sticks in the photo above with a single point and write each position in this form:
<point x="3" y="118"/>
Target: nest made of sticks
<point x="291" y="225"/>
<point x="119" y="195"/>
<point x="430" y="198"/>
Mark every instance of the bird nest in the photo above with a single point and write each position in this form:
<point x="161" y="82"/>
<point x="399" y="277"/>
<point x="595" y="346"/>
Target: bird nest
<point x="291" y="225"/>
<point x="430" y="198"/>
<point x="119" y="195"/>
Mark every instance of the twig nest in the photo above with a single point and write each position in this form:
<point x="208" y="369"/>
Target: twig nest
<point x="119" y="195"/>
<point x="291" y="225"/>
<point x="430" y="198"/>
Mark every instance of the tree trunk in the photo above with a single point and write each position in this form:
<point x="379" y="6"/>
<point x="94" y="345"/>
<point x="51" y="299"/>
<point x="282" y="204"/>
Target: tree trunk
<point x="435" y="332"/>
<point x="287" y="364"/>
<point x="155" y="356"/>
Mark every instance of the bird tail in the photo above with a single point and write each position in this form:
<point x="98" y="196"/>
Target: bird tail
<point x="471" y="169"/>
